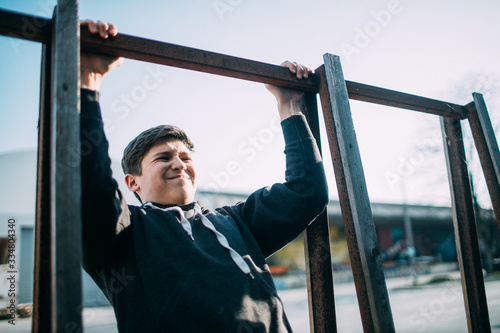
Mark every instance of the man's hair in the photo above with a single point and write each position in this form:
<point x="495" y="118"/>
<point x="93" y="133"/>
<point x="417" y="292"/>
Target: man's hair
<point x="140" y="146"/>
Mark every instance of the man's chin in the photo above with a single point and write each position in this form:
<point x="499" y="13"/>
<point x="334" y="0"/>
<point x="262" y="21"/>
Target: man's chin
<point x="188" y="196"/>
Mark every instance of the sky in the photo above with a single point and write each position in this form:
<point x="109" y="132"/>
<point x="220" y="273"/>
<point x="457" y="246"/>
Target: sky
<point x="439" y="49"/>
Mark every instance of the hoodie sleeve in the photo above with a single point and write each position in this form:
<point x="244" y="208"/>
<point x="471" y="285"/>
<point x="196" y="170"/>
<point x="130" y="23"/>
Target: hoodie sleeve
<point x="104" y="210"/>
<point x="278" y="214"/>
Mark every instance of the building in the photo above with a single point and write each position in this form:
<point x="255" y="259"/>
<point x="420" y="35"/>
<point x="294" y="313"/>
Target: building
<point x="432" y="229"/>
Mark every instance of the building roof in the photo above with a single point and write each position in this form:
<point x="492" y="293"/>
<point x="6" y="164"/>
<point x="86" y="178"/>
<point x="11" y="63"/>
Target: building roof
<point x="19" y="192"/>
<point x="384" y="214"/>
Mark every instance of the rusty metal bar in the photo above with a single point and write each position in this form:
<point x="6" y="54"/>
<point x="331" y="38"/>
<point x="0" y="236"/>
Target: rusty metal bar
<point x="320" y="276"/>
<point x="194" y="59"/>
<point x="35" y="28"/>
<point x="65" y="170"/>
<point x="319" y="272"/>
<point x="26" y="27"/>
<point x="464" y="220"/>
<point x="42" y="285"/>
<point x="352" y="243"/>
<point x="371" y="94"/>
<point x="487" y="149"/>
<point x="319" y="268"/>
<point x="362" y="241"/>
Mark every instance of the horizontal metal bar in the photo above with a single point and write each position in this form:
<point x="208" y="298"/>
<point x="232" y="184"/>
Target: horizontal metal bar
<point x="38" y="29"/>
<point x="194" y="59"/>
<point x="27" y="27"/>
<point x="371" y="94"/>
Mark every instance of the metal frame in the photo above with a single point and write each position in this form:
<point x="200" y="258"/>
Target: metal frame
<point x="362" y="240"/>
<point x="57" y="192"/>
<point x="464" y="221"/>
<point x="65" y="169"/>
<point x="42" y="271"/>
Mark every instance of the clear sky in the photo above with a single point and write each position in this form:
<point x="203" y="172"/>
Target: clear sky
<point x="438" y="49"/>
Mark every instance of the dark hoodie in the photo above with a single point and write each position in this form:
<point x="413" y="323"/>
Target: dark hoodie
<point x="188" y="268"/>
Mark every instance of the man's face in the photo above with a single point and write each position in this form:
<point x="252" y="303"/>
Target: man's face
<point x="168" y="175"/>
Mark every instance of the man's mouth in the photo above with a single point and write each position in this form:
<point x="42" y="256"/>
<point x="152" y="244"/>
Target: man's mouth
<point x="182" y="176"/>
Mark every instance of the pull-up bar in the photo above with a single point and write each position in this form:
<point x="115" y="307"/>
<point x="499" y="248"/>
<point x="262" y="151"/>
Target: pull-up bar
<point x="39" y="29"/>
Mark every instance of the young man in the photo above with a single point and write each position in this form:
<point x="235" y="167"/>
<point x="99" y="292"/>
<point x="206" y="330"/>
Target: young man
<point x="173" y="265"/>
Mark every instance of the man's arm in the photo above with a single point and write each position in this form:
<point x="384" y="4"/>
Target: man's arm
<point x="104" y="211"/>
<point x="278" y="214"/>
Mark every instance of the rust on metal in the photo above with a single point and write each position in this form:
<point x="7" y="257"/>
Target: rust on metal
<point x="16" y="25"/>
<point x="320" y="276"/>
<point x="194" y="59"/>
<point x="352" y="243"/>
<point x="464" y="220"/>
<point x="65" y="170"/>
<point x="317" y="252"/>
<point x="27" y="27"/>
<point x="42" y="272"/>
<point x="353" y="197"/>
<point x="487" y="149"/>
<point x="371" y="94"/>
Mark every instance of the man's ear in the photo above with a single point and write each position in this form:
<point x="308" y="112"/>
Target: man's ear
<point x="132" y="183"/>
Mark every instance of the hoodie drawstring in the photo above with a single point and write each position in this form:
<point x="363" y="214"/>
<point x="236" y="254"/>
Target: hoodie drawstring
<point x="237" y="258"/>
<point x="183" y="221"/>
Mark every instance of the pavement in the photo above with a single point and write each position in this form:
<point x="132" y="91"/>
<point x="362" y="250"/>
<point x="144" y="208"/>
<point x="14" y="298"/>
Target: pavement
<point x="430" y="308"/>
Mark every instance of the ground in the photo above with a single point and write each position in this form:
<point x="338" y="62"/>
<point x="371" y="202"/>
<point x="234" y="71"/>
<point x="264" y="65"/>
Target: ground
<point x="436" y="307"/>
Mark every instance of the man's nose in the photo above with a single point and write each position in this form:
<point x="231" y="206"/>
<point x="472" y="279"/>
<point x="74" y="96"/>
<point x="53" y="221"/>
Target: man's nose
<point x="178" y="164"/>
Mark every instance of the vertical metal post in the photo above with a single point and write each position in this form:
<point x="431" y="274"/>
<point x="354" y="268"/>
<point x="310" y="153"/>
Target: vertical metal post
<point x="487" y="149"/>
<point x="464" y="220"/>
<point x="65" y="171"/>
<point x="319" y="268"/>
<point x="362" y="241"/>
<point x="42" y="285"/>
